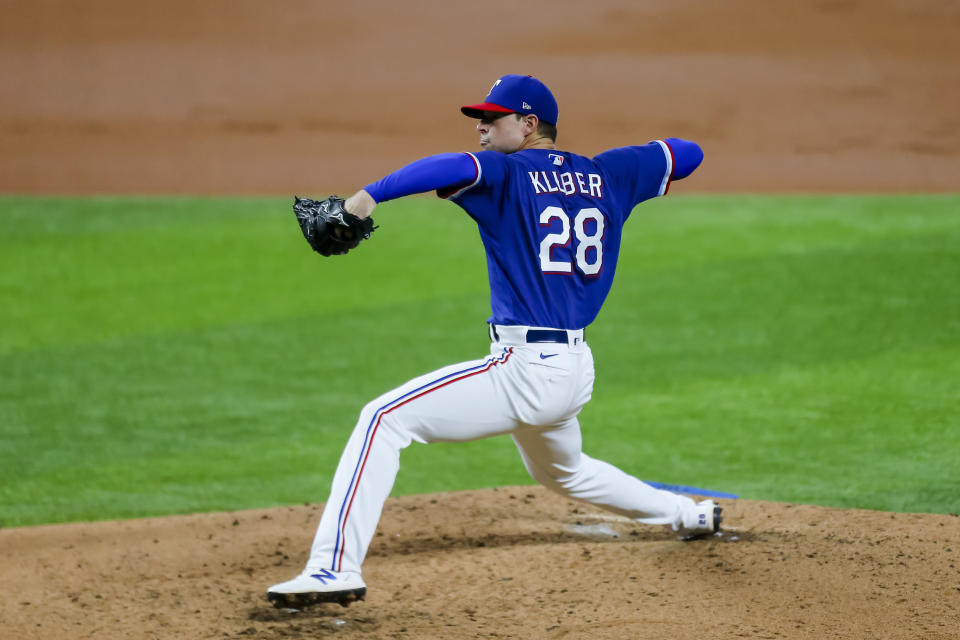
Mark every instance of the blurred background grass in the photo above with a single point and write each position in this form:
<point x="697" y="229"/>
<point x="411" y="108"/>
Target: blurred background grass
<point x="172" y="355"/>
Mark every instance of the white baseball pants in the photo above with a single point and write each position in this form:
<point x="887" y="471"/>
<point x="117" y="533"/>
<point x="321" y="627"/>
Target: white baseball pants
<point x="531" y="391"/>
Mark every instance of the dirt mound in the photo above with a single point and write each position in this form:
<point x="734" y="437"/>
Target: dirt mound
<point x="511" y="563"/>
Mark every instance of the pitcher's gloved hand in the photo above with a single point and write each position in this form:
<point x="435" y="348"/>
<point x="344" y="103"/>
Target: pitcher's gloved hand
<point x="328" y="227"/>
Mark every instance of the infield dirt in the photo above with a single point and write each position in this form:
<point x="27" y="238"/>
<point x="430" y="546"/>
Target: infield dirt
<point x="247" y="97"/>
<point x="243" y="97"/>
<point x="518" y="562"/>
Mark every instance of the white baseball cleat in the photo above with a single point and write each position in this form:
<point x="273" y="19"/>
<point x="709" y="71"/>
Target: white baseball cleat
<point x="702" y="520"/>
<point x="314" y="586"/>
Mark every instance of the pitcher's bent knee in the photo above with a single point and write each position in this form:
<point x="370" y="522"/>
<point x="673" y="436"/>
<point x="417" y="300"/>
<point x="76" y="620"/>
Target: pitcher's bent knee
<point x="386" y="425"/>
<point x="559" y="481"/>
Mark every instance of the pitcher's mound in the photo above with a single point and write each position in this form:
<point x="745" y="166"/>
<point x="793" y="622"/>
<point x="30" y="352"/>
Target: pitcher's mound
<point x="518" y="563"/>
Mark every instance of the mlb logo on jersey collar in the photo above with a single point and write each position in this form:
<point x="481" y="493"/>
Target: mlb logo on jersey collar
<point x="556" y="158"/>
<point x="517" y="94"/>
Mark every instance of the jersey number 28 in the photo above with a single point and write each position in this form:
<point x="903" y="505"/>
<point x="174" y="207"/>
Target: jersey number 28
<point x="589" y="262"/>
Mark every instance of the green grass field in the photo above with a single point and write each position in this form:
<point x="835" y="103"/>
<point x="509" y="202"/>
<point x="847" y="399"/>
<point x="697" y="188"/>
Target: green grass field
<point x="177" y="355"/>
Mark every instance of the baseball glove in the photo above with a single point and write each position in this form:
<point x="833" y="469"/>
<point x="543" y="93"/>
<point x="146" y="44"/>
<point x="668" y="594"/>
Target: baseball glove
<point x="329" y="228"/>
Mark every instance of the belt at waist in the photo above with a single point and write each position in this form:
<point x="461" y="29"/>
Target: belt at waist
<point x="517" y="334"/>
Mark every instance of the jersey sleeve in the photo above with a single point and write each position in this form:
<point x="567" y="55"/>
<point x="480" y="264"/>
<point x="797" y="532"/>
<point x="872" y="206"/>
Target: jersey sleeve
<point x="483" y="196"/>
<point x="687" y="156"/>
<point x="446" y="170"/>
<point x="488" y="172"/>
<point x="638" y="173"/>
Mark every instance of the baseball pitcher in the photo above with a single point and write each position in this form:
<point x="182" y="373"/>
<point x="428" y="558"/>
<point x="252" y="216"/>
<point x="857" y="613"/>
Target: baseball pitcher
<point x="551" y="223"/>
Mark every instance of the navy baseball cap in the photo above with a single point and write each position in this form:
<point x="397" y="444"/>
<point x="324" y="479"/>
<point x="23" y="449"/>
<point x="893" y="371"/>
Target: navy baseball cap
<point x="517" y="94"/>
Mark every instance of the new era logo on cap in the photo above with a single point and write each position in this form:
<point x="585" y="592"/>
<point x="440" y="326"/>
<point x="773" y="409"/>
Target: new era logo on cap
<point x="517" y="94"/>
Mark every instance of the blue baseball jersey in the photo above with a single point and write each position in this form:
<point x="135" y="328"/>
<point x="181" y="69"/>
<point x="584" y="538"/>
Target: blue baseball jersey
<point x="551" y="224"/>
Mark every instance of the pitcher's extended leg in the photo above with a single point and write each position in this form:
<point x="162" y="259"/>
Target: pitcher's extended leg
<point x="553" y="457"/>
